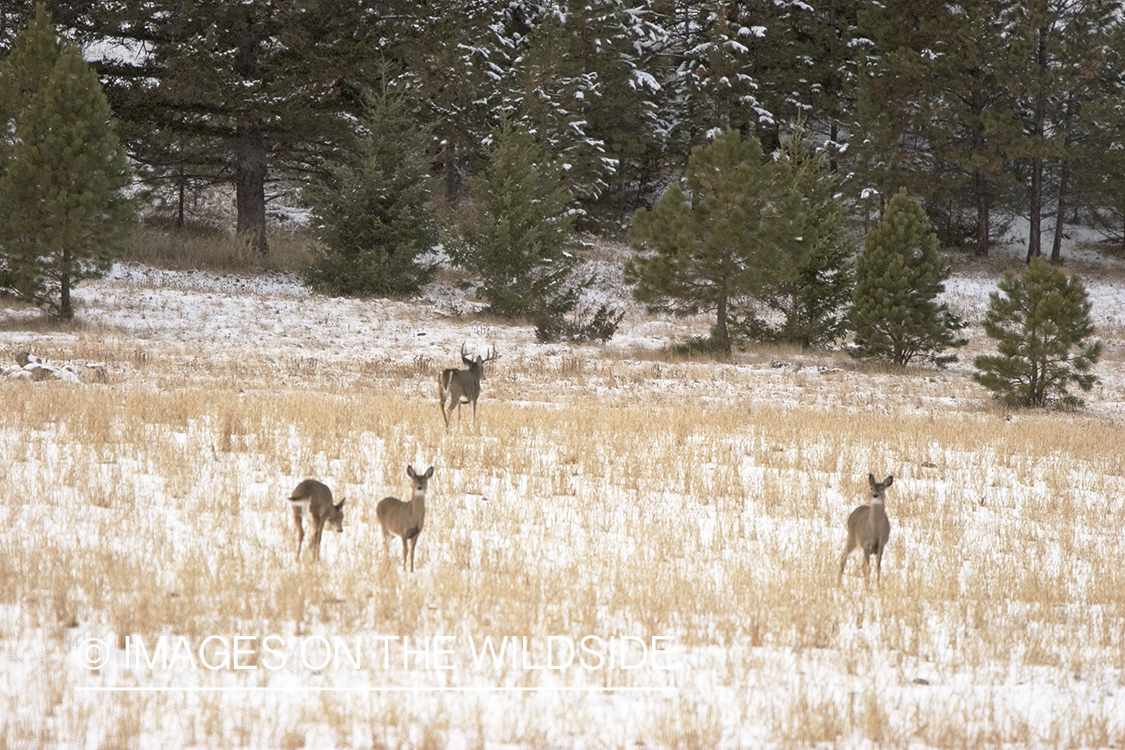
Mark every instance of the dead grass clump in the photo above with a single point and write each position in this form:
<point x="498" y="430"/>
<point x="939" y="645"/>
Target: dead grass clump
<point x="210" y="247"/>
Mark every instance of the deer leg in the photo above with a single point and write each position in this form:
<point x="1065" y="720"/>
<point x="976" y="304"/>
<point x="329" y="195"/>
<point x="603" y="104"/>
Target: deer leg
<point x="314" y="544"/>
<point x="879" y="567"/>
<point x="413" y="546"/>
<point x="300" y="529"/>
<point x="866" y="566"/>
<point x="844" y="557"/>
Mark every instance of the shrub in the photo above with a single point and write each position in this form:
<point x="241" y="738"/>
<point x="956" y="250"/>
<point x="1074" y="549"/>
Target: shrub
<point x="898" y="276"/>
<point x="1041" y="323"/>
<point x="582" y="328"/>
<point x="515" y="240"/>
<point x="372" y="220"/>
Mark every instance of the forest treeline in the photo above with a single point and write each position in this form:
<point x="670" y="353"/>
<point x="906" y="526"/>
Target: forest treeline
<point x="981" y="108"/>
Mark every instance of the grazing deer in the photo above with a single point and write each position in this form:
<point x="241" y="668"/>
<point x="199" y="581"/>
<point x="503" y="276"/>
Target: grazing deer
<point x="405" y="519"/>
<point x="314" y="498"/>
<point x="462" y="386"/>
<point x="869" y="529"/>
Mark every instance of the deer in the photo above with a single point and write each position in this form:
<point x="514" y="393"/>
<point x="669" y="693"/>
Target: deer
<point x="462" y="386"/>
<point x="405" y="520"/>
<point x="315" y="499"/>
<point x="869" y="529"/>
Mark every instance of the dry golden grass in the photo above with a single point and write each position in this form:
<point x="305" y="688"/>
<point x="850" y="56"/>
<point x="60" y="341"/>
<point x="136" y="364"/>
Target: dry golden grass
<point x="597" y="496"/>
<point x="210" y="247"/>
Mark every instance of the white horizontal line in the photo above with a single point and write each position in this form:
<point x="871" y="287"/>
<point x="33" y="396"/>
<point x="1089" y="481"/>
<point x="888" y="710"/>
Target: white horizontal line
<point x="377" y="689"/>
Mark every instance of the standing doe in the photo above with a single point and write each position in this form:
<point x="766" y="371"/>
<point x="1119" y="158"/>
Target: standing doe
<point x="314" y="498"/>
<point x="405" y="519"/>
<point x="462" y="386"/>
<point x="869" y="528"/>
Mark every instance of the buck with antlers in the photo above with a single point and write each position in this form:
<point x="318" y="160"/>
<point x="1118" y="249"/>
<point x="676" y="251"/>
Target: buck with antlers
<point x="462" y="386"/>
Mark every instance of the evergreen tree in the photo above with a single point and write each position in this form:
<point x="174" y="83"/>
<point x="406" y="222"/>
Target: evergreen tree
<point x="814" y="240"/>
<point x="801" y="62"/>
<point x="63" y="173"/>
<point x="708" y="246"/>
<point x="13" y="19"/>
<point x="1041" y="323"/>
<point x="1072" y="52"/>
<point x="372" y="221"/>
<point x="940" y="116"/>
<point x="243" y="93"/>
<point x="620" y="44"/>
<point x="707" y="85"/>
<point x="1099" y="140"/>
<point x="453" y="57"/>
<point x="550" y="95"/>
<point x="516" y="236"/>
<point x="899" y="275"/>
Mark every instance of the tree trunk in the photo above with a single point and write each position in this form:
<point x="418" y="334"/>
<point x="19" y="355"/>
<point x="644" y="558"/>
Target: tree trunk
<point x="452" y="175"/>
<point x="980" y="182"/>
<point x="1064" y="184"/>
<point x="250" y="189"/>
<point x="1060" y="217"/>
<point x="981" y="185"/>
<point x="721" y="323"/>
<point x="181" y="198"/>
<point x="66" y="311"/>
<point x="1035" y="229"/>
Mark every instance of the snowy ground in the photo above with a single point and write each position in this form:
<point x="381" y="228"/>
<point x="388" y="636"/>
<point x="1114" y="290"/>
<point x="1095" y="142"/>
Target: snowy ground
<point x="686" y="517"/>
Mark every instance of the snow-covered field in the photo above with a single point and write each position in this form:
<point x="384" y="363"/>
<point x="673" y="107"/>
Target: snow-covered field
<point x="658" y="540"/>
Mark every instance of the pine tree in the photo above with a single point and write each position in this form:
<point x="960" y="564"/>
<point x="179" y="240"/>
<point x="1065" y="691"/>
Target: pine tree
<point x="813" y="236"/>
<point x="242" y="93"/>
<point x="373" y="221"/>
<point x="452" y="57"/>
<point x="516" y="237"/>
<point x="551" y="93"/>
<point x="1041" y="323"/>
<point x="940" y="116"/>
<point x="1099" y="139"/>
<point x="899" y="274"/>
<point x="63" y="173"/>
<point x="708" y="246"/>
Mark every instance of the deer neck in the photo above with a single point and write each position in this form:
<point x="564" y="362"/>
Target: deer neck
<point x="418" y="504"/>
<point x="878" y="512"/>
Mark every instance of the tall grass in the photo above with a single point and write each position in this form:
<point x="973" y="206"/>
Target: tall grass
<point x="210" y="246"/>
<point x="602" y="499"/>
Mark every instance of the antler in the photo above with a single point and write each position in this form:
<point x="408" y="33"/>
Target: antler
<point x="494" y="355"/>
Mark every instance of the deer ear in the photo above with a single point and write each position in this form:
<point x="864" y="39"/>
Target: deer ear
<point x="871" y="479"/>
<point x="410" y="471"/>
<point x="341" y="505"/>
<point x="429" y="473"/>
<point x="888" y="481"/>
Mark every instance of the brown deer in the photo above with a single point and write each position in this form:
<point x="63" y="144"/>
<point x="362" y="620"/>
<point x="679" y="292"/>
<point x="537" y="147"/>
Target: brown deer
<point x="462" y="386"/>
<point x="869" y="529"/>
<point x="315" y="499"/>
<point x="405" y="519"/>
